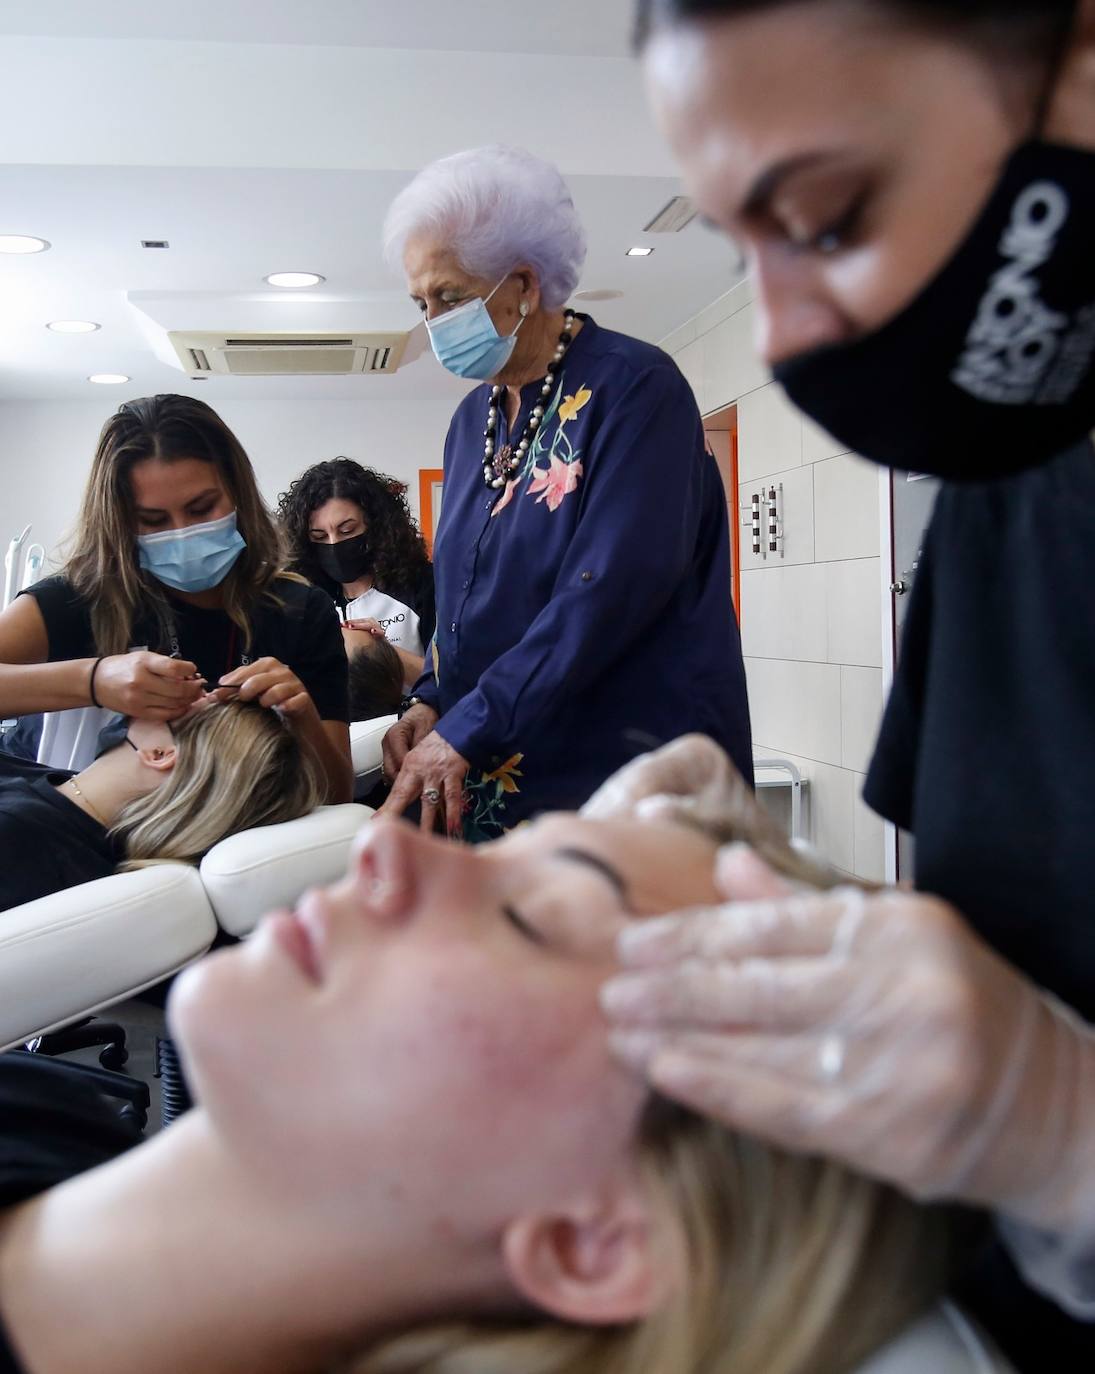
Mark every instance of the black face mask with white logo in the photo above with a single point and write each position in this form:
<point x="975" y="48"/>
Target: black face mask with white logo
<point x="991" y="369"/>
<point x="345" y="561"/>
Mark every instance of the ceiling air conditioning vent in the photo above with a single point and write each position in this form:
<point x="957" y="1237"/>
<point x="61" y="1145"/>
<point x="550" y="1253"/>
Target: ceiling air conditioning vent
<point x="289" y="355"/>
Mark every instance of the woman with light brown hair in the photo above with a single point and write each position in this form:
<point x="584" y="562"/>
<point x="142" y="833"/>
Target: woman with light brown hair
<point x="174" y="581"/>
<point x="413" y="1153"/>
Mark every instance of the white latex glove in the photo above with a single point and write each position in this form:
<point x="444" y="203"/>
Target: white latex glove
<point x="691" y="777"/>
<point x="876" y="1029"/>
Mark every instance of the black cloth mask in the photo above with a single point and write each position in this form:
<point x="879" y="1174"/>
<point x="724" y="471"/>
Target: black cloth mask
<point x="991" y="369"/>
<point x="345" y="561"/>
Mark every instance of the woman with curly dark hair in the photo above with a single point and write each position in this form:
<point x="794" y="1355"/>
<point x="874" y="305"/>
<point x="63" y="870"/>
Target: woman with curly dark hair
<point x="350" y="531"/>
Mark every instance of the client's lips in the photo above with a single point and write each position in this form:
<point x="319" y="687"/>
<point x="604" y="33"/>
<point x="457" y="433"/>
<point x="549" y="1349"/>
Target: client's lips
<point x="292" y="935"/>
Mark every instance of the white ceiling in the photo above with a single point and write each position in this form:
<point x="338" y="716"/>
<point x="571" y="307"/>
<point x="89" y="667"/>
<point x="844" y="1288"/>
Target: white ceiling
<point x="259" y="136"/>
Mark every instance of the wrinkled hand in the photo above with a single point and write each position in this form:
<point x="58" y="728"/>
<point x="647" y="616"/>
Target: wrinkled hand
<point x="877" y="1029"/>
<point x="408" y="731"/>
<point x="432" y="765"/>
<point x="272" y="684"/>
<point x="147" y="686"/>
<point x="691" y="778"/>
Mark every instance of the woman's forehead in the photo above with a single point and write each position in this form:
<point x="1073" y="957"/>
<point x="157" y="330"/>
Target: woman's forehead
<point x="432" y="266"/>
<point x="661" y="866"/>
<point x="338" y="508"/>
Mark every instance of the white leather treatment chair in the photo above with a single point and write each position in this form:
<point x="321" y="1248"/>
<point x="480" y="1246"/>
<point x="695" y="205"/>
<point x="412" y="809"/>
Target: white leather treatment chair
<point x="69" y="955"/>
<point x="75" y="953"/>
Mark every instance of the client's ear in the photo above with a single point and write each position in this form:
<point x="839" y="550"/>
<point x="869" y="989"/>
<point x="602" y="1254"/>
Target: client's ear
<point x="160" y="759"/>
<point x="595" y="1262"/>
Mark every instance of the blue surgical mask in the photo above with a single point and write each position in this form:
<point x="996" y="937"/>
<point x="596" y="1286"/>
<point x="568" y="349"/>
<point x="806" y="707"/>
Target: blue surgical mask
<point x="195" y="558"/>
<point x="466" y="342"/>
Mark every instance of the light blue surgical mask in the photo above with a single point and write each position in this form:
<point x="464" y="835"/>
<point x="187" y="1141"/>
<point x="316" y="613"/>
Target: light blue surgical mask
<point x="195" y="558"/>
<point x="466" y="342"/>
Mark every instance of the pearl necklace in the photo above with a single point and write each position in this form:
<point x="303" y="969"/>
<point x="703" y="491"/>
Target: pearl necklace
<point x="500" y="466"/>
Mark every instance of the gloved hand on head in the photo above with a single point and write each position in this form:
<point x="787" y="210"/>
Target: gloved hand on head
<point x="691" y="777"/>
<point x="873" y="1027"/>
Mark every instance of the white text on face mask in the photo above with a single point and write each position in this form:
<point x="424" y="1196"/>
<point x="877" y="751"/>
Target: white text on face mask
<point x="1015" y="338"/>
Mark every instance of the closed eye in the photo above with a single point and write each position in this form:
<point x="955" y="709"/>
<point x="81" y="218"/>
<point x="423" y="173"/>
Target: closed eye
<point x="514" y="917"/>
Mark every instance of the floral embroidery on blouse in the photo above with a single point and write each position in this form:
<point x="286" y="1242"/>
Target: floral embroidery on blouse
<point x="573" y="404"/>
<point x="485" y="800"/>
<point x="506" y="773"/>
<point x="556" y="482"/>
<point x="552" y="471"/>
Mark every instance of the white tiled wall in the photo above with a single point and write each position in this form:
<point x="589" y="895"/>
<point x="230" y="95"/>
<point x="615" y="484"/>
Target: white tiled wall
<point x="811" y="619"/>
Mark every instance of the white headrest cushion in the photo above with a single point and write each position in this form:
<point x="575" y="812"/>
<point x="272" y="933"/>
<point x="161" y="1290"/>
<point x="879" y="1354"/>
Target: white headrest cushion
<point x="256" y="871"/>
<point x="366" y="740"/>
<point x="75" y="951"/>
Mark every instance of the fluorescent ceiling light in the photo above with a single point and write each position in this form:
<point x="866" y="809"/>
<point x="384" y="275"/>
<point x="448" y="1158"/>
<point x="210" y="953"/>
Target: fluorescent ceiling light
<point x="293" y="281"/>
<point x="72" y="326"/>
<point x="21" y="243"/>
<point x="639" y="252"/>
<point x="599" y="293"/>
<point x="108" y="378"/>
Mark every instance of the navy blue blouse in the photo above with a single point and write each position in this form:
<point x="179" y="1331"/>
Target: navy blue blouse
<point x="583" y="612"/>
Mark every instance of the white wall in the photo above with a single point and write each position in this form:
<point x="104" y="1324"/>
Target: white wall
<point x="46" y="449"/>
<point x="811" y="620"/>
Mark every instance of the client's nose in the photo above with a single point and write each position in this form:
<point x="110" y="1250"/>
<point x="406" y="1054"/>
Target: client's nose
<point x="395" y="866"/>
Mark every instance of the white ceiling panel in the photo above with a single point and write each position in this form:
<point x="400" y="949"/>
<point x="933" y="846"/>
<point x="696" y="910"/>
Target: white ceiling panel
<point x="590" y="28"/>
<point x="259" y="137"/>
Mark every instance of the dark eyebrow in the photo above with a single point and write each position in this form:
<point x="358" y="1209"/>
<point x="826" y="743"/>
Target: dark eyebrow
<point x="193" y="501"/>
<point x="772" y="178"/>
<point x="599" y="865"/>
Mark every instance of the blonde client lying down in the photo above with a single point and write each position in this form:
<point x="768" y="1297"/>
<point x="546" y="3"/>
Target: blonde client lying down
<point x="163" y="793"/>
<point x="413" y="1151"/>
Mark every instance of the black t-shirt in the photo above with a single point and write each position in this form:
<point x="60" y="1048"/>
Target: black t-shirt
<point x="302" y="632"/>
<point x="54" y="1124"/>
<point x="987" y="755"/>
<point x="987" y="750"/>
<point x="46" y="842"/>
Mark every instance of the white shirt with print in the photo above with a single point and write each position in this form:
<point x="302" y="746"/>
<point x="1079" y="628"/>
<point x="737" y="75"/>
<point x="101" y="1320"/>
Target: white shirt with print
<point x="400" y="623"/>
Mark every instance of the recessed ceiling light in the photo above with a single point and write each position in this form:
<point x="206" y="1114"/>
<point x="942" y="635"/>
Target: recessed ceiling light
<point x="293" y="281"/>
<point x="639" y="252"/>
<point x="72" y="326"/>
<point x="22" y="243"/>
<point x="606" y="293"/>
<point x="108" y="378"/>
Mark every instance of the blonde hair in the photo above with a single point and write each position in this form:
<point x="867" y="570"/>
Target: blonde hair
<point x="793" y="1265"/>
<point x="102" y="565"/>
<point x="237" y="766"/>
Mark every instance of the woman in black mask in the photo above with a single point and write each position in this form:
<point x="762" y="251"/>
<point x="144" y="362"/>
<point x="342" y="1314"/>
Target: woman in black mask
<point x="350" y="532"/>
<point x="914" y="184"/>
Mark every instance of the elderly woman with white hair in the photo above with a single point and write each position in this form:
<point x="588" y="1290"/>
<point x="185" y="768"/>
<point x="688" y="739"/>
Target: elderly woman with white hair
<point x="582" y="557"/>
